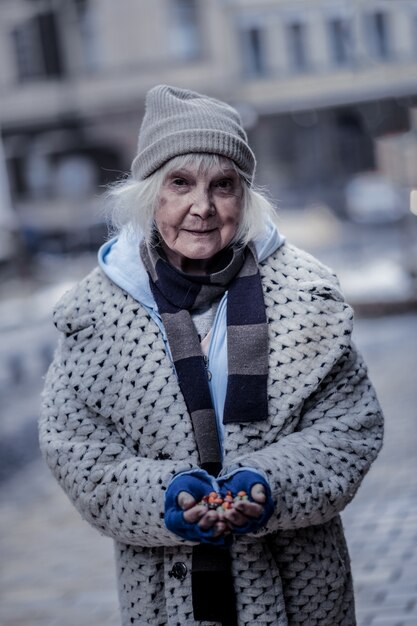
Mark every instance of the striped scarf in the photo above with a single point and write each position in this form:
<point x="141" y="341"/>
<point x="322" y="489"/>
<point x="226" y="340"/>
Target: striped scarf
<point x="176" y="295"/>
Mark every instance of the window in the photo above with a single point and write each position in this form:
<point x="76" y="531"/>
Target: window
<point x="185" y="29"/>
<point x="253" y="51"/>
<point x="86" y="23"/>
<point x="297" y="47"/>
<point x="378" y="35"/>
<point x="37" y="49"/>
<point x="28" y="51"/>
<point x="340" y="41"/>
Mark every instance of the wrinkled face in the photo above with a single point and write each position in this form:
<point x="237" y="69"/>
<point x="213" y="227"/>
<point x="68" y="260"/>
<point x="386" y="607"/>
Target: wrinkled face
<point x="197" y="215"/>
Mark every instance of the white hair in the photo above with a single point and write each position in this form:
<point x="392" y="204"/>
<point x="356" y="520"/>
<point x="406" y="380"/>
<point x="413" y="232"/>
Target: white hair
<point x="132" y="204"/>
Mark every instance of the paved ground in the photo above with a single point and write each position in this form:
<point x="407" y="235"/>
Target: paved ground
<point x="381" y="523"/>
<point x="56" y="571"/>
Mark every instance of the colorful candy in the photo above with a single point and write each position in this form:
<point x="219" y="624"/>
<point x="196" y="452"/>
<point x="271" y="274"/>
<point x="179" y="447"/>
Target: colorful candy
<point x="214" y="500"/>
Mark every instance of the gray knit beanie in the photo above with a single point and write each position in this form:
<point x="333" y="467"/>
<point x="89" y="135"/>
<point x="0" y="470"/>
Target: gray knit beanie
<point x="178" y="121"/>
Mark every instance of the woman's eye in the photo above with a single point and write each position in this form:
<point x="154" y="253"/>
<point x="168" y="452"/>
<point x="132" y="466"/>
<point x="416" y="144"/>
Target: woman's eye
<point x="225" y="184"/>
<point x="179" y="182"/>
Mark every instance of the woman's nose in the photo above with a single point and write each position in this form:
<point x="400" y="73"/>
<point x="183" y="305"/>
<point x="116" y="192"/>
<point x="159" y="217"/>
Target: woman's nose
<point x="202" y="204"/>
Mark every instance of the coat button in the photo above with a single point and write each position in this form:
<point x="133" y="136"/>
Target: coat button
<point x="178" y="571"/>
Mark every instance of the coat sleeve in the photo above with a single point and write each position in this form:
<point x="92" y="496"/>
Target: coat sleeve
<point x="120" y="494"/>
<point x="315" y="471"/>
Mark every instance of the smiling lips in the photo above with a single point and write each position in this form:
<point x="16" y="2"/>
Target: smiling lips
<point x="199" y="232"/>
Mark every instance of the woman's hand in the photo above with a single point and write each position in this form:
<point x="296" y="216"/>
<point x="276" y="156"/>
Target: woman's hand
<point x="249" y="515"/>
<point x="188" y="519"/>
<point x="195" y="513"/>
<point x="245" y="510"/>
<point x="222" y="522"/>
<point x="187" y="516"/>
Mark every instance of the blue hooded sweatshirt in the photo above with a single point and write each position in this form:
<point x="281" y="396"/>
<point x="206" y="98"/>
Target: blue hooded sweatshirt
<point x="120" y="260"/>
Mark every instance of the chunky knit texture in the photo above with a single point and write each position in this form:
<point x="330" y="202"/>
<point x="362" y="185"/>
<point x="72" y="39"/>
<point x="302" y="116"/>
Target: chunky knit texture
<point x="179" y="121"/>
<point x="114" y="430"/>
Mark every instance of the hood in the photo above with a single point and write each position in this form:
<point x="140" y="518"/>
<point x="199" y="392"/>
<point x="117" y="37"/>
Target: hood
<point x="120" y="260"/>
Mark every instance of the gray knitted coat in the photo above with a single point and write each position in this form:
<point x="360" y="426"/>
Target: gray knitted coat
<point x="114" y="430"/>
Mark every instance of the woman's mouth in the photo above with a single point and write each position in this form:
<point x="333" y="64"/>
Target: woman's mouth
<point x="200" y="233"/>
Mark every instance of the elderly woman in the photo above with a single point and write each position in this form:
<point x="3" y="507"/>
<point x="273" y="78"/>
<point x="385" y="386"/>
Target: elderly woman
<point x="206" y="407"/>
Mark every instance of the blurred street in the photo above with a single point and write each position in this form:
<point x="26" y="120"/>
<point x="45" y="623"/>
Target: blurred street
<point x="57" y="571"/>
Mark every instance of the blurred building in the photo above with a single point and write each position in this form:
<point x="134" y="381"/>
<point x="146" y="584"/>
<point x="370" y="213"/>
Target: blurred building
<point x="315" y="81"/>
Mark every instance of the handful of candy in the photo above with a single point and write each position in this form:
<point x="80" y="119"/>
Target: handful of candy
<point x="215" y="501"/>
